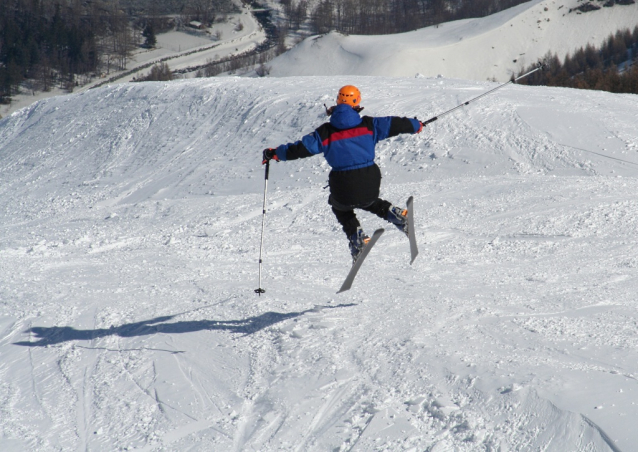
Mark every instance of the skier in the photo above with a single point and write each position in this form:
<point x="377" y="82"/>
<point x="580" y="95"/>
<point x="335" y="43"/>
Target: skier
<point x="348" y="142"/>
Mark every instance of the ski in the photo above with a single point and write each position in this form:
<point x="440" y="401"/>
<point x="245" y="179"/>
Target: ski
<point x="355" y="267"/>
<point x="414" y="251"/>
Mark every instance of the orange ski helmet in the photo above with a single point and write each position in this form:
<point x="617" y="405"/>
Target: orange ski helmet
<point x="349" y="95"/>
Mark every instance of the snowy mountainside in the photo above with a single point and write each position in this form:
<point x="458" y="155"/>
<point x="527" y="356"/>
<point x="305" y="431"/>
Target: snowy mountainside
<point x="129" y="240"/>
<point x="492" y="47"/>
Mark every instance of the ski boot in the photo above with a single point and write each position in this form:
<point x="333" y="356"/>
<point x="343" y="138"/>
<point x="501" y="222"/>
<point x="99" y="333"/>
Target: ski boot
<point x="358" y="240"/>
<point x="399" y="218"/>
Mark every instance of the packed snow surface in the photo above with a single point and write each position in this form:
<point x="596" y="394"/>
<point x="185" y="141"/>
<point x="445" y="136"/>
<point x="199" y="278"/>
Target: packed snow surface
<point x="492" y="47"/>
<point x="129" y="240"/>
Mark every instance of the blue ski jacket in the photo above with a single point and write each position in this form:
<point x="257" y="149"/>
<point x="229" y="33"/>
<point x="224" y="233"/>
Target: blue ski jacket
<point x="348" y="140"/>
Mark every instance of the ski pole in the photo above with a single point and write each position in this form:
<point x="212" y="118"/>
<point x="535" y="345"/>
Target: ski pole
<point x="540" y="67"/>
<point x="263" y="222"/>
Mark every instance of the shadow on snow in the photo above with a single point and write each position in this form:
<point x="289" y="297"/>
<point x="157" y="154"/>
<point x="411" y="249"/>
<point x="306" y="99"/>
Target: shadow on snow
<point x="58" y="334"/>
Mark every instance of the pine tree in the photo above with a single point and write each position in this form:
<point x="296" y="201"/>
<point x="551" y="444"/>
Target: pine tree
<point x="149" y="35"/>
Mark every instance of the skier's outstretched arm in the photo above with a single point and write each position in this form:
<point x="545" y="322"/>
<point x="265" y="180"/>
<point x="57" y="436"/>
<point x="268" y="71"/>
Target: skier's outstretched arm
<point x="391" y="126"/>
<point x="306" y="147"/>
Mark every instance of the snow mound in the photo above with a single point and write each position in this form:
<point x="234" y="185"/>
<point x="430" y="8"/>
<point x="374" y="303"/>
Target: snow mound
<point x="493" y="47"/>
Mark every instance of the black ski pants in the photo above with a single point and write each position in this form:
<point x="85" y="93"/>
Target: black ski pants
<point x="356" y="189"/>
<point x="348" y="219"/>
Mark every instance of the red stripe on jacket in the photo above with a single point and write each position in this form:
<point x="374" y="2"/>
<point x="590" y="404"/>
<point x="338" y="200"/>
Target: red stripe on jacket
<point x="345" y="134"/>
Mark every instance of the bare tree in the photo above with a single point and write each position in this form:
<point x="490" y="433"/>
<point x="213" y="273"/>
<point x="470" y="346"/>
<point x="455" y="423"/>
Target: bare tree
<point x="159" y="72"/>
<point x="300" y="14"/>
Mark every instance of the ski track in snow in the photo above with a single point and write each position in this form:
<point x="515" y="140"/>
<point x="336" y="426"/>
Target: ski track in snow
<point x="128" y="252"/>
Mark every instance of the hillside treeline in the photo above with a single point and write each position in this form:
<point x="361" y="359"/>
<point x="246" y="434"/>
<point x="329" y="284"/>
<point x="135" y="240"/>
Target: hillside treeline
<point x="50" y="43"/>
<point x="371" y="17"/>
<point x="172" y="7"/>
<point x="47" y="43"/>
<point x="607" y="68"/>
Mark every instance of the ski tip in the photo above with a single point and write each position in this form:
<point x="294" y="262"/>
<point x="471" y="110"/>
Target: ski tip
<point x="345" y="287"/>
<point x="347" y="284"/>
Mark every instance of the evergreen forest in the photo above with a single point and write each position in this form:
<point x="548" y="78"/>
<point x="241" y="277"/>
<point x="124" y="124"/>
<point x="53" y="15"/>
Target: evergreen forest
<point x="65" y="43"/>
<point x="377" y="17"/>
<point x="609" y="67"/>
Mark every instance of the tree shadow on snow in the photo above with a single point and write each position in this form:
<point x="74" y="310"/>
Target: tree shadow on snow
<point x="58" y="334"/>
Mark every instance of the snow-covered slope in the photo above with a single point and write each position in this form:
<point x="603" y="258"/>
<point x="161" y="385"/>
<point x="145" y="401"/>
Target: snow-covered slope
<point x="129" y="238"/>
<point x="476" y="49"/>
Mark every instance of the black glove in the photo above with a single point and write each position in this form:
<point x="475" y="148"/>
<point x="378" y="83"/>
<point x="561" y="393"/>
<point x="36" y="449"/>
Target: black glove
<point x="269" y="154"/>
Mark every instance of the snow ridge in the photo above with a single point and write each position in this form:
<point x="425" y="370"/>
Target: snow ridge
<point x="493" y="47"/>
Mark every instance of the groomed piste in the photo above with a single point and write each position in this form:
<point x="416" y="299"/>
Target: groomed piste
<point x="128" y="259"/>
